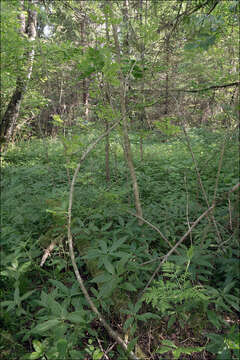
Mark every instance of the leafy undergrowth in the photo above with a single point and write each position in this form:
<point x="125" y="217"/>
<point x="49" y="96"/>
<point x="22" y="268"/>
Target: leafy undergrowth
<point x="189" y="311"/>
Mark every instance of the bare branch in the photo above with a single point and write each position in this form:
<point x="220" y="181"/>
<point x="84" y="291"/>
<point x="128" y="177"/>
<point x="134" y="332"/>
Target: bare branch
<point x="236" y="83"/>
<point x="153" y="227"/>
<point x="175" y="247"/>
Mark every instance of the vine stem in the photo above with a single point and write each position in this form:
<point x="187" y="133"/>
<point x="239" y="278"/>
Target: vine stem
<point x="114" y="334"/>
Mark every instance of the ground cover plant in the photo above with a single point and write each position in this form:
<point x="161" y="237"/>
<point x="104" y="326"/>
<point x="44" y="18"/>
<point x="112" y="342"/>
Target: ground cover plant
<point x="194" y="296"/>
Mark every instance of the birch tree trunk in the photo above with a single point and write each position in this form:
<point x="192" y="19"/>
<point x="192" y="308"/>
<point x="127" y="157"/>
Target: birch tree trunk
<point x="9" y="120"/>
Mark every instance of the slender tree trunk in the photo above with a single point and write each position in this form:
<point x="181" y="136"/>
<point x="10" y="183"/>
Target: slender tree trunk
<point x="167" y="49"/>
<point x="142" y="52"/>
<point x="127" y="145"/>
<point x="107" y="96"/>
<point x="85" y="85"/>
<point x="9" y="120"/>
<point x="107" y="152"/>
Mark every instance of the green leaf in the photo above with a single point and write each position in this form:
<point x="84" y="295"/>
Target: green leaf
<point x="62" y="345"/>
<point x="233" y="301"/>
<point x="228" y="287"/>
<point x="97" y="355"/>
<point x="108" y="288"/>
<point x="16" y="296"/>
<point x="213" y="318"/>
<point x="103" y="246"/>
<point x="60" y="286"/>
<point x="128" y="323"/>
<point x="128" y="286"/>
<point x="190" y="252"/>
<point x="147" y="316"/>
<point x="107" y="226"/>
<point x="138" y="306"/>
<point x="121" y="221"/>
<point x="108" y="266"/>
<point x="169" y="343"/>
<point x="132" y="344"/>
<point x="27" y="294"/>
<point x="45" y="326"/>
<point x="163" y="349"/>
<point x="38" y="346"/>
<point x="171" y="321"/>
<point x="76" y="317"/>
<point x="24" y="267"/>
<point x="102" y="278"/>
<point x="34" y="356"/>
<point x="118" y="243"/>
<point x="55" y="307"/>
<point x="7" y="302"/>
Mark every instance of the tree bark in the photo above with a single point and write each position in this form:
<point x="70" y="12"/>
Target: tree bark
<point x="9" y="120"/>
<point x="167" y="50"/>
<point x="127" y="144"/>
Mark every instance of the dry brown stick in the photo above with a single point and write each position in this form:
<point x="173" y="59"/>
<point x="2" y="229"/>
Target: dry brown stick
<point x="153" y="227"/>
<point x="175" y="246"/>
<point x="114" y="334"/>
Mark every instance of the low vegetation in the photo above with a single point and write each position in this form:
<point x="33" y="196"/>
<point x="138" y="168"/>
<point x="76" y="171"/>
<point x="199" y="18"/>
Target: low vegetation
<point x="188" y="311"/>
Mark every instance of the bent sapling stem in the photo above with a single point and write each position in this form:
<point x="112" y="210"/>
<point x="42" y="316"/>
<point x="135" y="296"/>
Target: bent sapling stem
<point x="112" y="333"/>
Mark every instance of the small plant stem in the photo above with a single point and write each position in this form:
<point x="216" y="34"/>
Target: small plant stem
<point x="175" y="247"/>
<point x="153" y="227"/>
<point x="187" y="206"/>
<point x="219" y="170"/>
<point x="201" y="184"/>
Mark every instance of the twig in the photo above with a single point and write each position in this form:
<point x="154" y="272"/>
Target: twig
<point x="114" y="334"/>
<point x="219" y="170"/>
<point x="230" y="213"/>
<point x="236" y="83"/>
<point x="234" y="188"/>
<point x="187" y="206"/>
<point x="175" y="246"/>
<point x="47" y="252"/>
<point x="110" y="347"/>
<point x="104" y="353"/>
<point x="152" y="226"/>
<point x="151" y="261"/>
<point x="200" y="183"/>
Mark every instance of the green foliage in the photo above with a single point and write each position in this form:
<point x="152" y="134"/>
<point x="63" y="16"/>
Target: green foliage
<point x="92" y="63"/>
<point x="196" y="288"/>
<point x="225" y="346"/>
<point x="74" y="91"/>
<point x="175" y="296"/>
<point x="166" y="126"/>
<point x="177" y="351"/>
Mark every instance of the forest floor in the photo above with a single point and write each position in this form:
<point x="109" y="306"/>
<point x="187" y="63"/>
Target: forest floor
<point x="44" y="314"/>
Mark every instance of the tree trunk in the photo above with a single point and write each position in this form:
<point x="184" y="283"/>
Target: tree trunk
<point x="85" y="83"/>
<point x="9" y="120"/>
<point x="167" y="50"/>
<point x="127" y="145"/>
